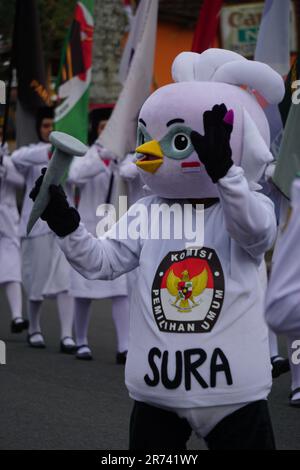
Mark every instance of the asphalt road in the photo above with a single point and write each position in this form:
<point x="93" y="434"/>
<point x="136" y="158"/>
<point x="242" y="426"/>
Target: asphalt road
<point x="53" y="401"/>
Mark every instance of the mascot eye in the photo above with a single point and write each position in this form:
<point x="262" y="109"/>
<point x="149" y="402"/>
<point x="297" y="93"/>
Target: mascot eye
<point x="181" y="142"/>
<point x="141" y="138"/>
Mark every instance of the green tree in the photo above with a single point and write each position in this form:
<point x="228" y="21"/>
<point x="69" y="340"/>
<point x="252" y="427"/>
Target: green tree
<point x="7" y="13"/>
<point x="55" y="18"/>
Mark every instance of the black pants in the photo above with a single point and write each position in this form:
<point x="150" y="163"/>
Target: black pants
<point x="248" y="428"/>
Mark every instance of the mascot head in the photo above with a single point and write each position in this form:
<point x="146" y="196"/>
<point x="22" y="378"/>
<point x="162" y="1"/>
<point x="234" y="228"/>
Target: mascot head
<point x="165" y="156"/>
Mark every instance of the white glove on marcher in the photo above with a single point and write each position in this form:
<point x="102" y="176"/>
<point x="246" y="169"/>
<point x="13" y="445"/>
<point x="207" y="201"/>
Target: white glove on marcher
<point x="128" y="169"/>
<point x="104" y="152"/>
<point x="269" y="171"/>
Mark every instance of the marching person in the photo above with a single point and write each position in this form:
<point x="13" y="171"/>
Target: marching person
<point x="282" y="302"/>
<point x="280" y="365"/>
<point x="94" y="174"/>
<point x="45" y="271"/>
<point x="10" y="255"/>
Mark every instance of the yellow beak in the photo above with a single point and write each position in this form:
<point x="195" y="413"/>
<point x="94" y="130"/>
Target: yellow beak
<point x="153" y="156"/>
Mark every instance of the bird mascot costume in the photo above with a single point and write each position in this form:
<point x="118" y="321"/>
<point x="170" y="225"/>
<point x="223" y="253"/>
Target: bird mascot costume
<point x="198" y="355"/>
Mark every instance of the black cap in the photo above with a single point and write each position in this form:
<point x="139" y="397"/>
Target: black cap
<point x="97" y="115"/>
<point x="45" y="112"/>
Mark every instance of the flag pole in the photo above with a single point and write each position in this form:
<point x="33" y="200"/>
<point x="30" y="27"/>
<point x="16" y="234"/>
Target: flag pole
<point x="6" y="110"/>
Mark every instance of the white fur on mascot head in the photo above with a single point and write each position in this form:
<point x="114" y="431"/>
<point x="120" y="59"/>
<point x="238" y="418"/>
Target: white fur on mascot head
<point x="166" y="158"/>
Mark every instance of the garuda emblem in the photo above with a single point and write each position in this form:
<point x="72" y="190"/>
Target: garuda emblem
<point x="185" y="290"/>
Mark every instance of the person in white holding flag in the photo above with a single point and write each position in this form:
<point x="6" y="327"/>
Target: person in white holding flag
<point x="93" y="175"/>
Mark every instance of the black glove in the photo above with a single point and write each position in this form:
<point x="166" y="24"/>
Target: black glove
<point x="213" y="148"/>
<point x="37" y="185"/>
<point x="61" y="218"/>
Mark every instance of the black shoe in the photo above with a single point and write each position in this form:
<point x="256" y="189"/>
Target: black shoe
<point x="39" y="344"/>
<point x="19" y="326"/>
<point x="121" y="357"/>
<point x="295" y="403"/>
<point x="279" y="366"/>
<point x="67" y="348"/>
<point x="84" y="355"/>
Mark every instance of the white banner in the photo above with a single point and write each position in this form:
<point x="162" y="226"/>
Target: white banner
<point x="119" y="135"/>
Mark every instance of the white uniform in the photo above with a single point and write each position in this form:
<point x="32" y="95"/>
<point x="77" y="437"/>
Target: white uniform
<point x="135" y="189"/>
<point x="198" y="337"/>
<point x="92" y="176"/>
<point x="45" y="271"/>
<point x="10" y="256"/>
<point x="282" y="302"/>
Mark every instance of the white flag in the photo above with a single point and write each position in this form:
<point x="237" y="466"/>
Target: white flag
<point x="137" y="28"/>
<point x="273" y="42"/>
<point x="273" y="48"/>
<point x="119" y="135"/>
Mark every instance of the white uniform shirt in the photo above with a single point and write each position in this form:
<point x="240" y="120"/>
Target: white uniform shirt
<point x="29" y="161"/>
<point x="92" y="176"/>
<point x="9" y="215"/>
<point x="210" y="352"/>
<point x="283" y="294"/>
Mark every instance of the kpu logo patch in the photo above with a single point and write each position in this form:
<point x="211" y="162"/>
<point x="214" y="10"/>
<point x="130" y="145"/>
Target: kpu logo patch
<point x="188" y="291"/>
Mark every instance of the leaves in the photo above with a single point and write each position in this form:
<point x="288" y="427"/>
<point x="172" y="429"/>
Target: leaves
<point x="55" y="18"/>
